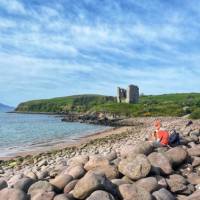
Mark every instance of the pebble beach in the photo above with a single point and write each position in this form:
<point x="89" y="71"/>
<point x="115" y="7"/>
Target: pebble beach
<point x="116" y="164"/>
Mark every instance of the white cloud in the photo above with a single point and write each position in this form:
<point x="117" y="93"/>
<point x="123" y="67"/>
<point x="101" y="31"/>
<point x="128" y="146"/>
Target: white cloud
<point x="13" y="6"/>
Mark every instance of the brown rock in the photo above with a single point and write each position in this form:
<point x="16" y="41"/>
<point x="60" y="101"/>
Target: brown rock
<point x="177" y="155"/>
<point x="70" y="186"/>
<point x="131" y="191"/>
<point x="42" y="195"/>
<point x="24" y="184"/>
<point x="163" y="194"/>
<point x="194" y="151"/>
<point x="135" y="169"/>
<point x="89" y="183"/>
<point x="61" y="197"/>
<point x="102" y="164"/>
<point x="13" y="194"/>
<point x="177" y="183"/>
<point x="193" y="178"/>
<point x="160" y="163"/>
<point x="75" y="171"/>
<point x="100" y="194"/>
<point x="141" y="148"/>
<point x="61" y="181"/>
<point x="150" y="184"/>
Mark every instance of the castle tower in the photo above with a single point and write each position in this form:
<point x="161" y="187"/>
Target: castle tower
<point x="132" y="94"/>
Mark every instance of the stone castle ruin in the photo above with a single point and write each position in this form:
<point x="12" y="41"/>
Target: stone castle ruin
<point x="131" y="95"/>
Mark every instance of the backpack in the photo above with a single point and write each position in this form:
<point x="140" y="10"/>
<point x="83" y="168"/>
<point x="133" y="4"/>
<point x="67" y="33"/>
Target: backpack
<point x="174" y="138"/>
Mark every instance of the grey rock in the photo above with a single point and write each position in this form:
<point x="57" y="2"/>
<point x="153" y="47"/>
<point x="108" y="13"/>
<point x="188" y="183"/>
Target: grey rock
<point x="99" y="194"/>
<point x="40" y="187"/>
<point x="160" y="164"/>
<point x="61" y="181"/>
<point x="70" y="186"/>
<point x="163" y="194"/>
<point x="24" y="184"/>
<point x="3" y="184"/>
<point x="89" y="183"/>
<point x="150" y="184"/>
<point x="75" y="171"/>
<point x="177" y="155"/>
<point x="177" y="183"/>
<point x="61" y="197"/>
<point x="131" y="191"/>
<point x="135" y="168"/>
<point x="13" y="194"/>
<point x="43" y="195"/>
<point x="194" y="151"/>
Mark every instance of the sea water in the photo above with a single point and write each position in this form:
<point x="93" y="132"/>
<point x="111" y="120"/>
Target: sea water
<point x="24" y="132"/>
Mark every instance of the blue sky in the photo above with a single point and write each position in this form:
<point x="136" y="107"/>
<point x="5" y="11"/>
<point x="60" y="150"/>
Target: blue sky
<point x="55" y="48"/>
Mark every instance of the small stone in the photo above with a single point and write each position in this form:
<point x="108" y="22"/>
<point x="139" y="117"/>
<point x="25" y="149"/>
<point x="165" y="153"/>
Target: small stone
<point x="161" y="181"/>
<point x="42" y="162"/>
<point x="31" y="175"/>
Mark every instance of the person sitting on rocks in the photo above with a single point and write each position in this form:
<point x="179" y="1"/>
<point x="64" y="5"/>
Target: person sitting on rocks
<point x="161" y="135"/>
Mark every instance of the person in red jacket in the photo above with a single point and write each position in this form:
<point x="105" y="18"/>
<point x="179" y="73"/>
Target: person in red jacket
<point x="161" y="135"/>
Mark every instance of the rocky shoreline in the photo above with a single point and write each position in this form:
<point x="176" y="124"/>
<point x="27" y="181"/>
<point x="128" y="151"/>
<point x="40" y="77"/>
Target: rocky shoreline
<point x="119" y="166"/>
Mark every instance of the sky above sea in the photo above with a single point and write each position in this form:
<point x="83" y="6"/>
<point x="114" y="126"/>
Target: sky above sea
<point x="51" y="48"/>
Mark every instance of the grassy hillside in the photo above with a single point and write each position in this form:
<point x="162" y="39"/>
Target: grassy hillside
<point x="78" y="103"/>
<point x="150" y="105"/>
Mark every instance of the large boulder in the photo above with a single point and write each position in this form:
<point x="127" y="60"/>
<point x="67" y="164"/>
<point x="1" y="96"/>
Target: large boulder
<point x="194" y="151"/>
<point x="78" y="160"/>
<point x="3" y="184"/>
<point x="131" y="191"/>
<point x="195" y="161"/>
<point x="40" y="187"/>
<point x="160" y="163"/>
<point x="135" y="168"/>
<point x="132" y="150"/>
<point x="24" y="184"/>
<point x="90" y="182"/>
<point x="177" y="155"/>
<point x="163" y="194"/>
<point x="13" y="194"/>
<point x="75" y="171"/>
<point x="150" y="184"/>
<point x="193" y="178"/>
<point x="102" y="164"/>
<point x="194" y="196"/>
<point x="100" y="194"/>
<point x="61" y="197"/>
<point x="61" y="181"/>
<point x="42" y="195"/>
<point x="70" y="186"/>
<point x="176" y="183"/>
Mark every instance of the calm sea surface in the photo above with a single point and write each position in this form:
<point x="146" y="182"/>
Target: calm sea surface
<point x="24" y="132"/>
